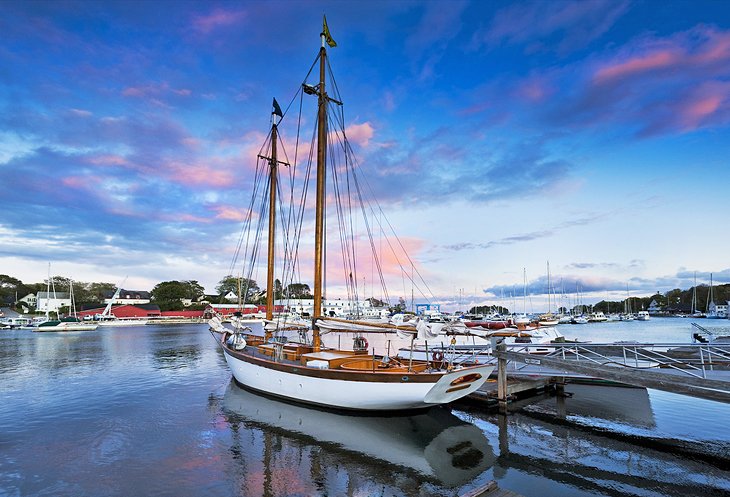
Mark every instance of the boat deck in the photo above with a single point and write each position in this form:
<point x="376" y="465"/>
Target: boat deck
<point x="300" y="354"/>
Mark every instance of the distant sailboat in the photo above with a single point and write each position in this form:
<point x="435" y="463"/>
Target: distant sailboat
<point x="713" y="311"/>
<point x="696" y="313"/>
<point x="107" y="318"/>
<point x="68" y="323"/>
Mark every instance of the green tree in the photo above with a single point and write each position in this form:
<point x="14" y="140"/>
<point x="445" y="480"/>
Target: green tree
<point x="169" y="294"/>
<point x="400" y="307"/>
<point x="97" y="292"/>
<point x="375" y="302"/>
<point x="10" y="287"/>
<point x="249" y="289"/>
<point x="298" y="291"/>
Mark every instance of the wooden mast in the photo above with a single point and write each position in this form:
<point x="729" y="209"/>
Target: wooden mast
<point x="320" y="198"/>
<point x="272" y="226"/>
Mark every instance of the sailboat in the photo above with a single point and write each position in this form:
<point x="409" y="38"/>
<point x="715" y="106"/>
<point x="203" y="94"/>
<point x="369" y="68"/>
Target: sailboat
<point x="695" y="313"/>
<point x="549" y="318"/>
<point x="107" y="318"/>
<point x="305" y="369"/>
<point x="713" y="312"/>
<point x="68" y="323"/>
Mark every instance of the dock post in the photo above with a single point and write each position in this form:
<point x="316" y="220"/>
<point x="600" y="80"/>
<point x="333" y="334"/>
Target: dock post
<point x="502" y="379"/>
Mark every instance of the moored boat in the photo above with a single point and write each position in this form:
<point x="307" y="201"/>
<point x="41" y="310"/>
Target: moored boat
<point x="308" y="370"/>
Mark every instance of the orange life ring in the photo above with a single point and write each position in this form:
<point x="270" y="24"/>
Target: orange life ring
<point x="438" y="356"/>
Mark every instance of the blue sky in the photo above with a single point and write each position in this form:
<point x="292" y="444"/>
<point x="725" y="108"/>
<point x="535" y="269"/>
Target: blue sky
<point x="497" y="135"/>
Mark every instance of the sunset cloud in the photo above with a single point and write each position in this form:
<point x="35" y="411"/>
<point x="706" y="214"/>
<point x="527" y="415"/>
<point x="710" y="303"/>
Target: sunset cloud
<point x="216" y="19"/>
<point x="360" y="133"/>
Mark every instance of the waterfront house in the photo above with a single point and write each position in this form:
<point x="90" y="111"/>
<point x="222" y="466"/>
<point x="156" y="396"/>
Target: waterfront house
<point x="719" y="310"/>
<point x="52" y="301"/>
<point x="128" y="297"/>
<point x="28" y="302"/>
<point x="654" y="308"/>
<point x="231" y="297"/>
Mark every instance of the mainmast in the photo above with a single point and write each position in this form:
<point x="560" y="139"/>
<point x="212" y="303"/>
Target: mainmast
<point x="321" y="185"/>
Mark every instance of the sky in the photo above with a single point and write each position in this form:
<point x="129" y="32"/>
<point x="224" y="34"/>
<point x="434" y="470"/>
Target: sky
<point x="499" y="137"/>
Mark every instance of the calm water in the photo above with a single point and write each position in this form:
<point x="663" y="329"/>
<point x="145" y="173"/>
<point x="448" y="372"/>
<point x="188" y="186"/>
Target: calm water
<point x="152" y="411"/>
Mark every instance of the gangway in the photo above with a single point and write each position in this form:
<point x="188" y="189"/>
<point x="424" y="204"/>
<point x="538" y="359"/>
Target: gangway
<point x="698" y="369"/>
<point x="705" y="335"/>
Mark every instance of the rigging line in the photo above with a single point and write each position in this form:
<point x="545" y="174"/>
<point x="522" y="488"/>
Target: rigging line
<point x="293" y="265"/>
<point x="346" y="259"/>
<point x="422" y="279"/>
<point x="251" y="252"/>
<point x="401" y="246"/>
<point x="348" y="244"/>
<point x="292" y="175"/>
<point x="374" y="251"/>
<point x="246" y="227"/>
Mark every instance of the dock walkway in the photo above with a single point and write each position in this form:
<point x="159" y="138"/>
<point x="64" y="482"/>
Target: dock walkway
<point x="698" y="370"/>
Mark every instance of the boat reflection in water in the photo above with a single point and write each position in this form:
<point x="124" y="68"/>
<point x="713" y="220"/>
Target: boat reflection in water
<point x="438" y="446"/>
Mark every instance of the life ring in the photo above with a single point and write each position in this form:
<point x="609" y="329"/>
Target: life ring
<point x="438" y="356"/>
<point x="360" y="344"/>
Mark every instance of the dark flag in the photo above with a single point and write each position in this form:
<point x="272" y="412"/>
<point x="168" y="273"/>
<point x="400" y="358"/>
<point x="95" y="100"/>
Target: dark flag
<point x="277" y="109"/>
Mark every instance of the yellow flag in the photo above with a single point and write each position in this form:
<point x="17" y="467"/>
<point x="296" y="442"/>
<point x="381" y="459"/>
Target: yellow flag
<point x="326" y="32"/>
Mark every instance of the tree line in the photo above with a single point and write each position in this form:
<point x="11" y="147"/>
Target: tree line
<point x="168" y="295"/>
<point x="676" y="300"/>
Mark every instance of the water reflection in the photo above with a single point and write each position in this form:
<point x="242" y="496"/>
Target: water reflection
<point x="594" y="464"/>
<point x="433" y="446"/>
<point x="177" y="357"/>
<point x="613" y="404"/>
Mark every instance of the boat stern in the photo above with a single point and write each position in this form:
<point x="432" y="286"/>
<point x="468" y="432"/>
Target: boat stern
<point x="458" y="384"/>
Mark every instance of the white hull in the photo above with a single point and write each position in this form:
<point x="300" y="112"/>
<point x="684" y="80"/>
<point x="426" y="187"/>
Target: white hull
<point x="67" y="327"/>
<point x="123" y="322"/>
<point x="356" y="395"/>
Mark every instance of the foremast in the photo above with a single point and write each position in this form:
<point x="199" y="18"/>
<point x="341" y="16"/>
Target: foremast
<point x="272" y="222"/>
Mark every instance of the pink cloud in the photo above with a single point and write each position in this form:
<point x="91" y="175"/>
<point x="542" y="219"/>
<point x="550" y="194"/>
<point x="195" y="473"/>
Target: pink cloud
<point x="133" y="92"/>
<point x="360" y="133"/>
<point x="706" y="105"/>
<point x="191" y="218"/>
<point x="80" y="112"/>
<point x="108" y="160"/>
<point x="81" y="182"/>
<point x="154" y="90"/>
<point x="643" y="63"/>
<point x="217" y="19"/>
<point x="199" y="174"/>
<point x="228" y="213"/>
<point x="700" y="53"/>
<point x="533" y="90"/>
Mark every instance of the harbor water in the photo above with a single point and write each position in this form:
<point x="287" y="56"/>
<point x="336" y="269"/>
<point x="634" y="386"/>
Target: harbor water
<point x="152" y="410"/>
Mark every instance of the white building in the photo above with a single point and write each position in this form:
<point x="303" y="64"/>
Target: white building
<point x="129" y="297"/>
<point x="52" y="301"/>
<point x="717" y="310"/>
<point x="334" y="308"/>
<point x="231" y="297"/>
<point x="28" y="302"/>
<point x="654" y="308"/>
